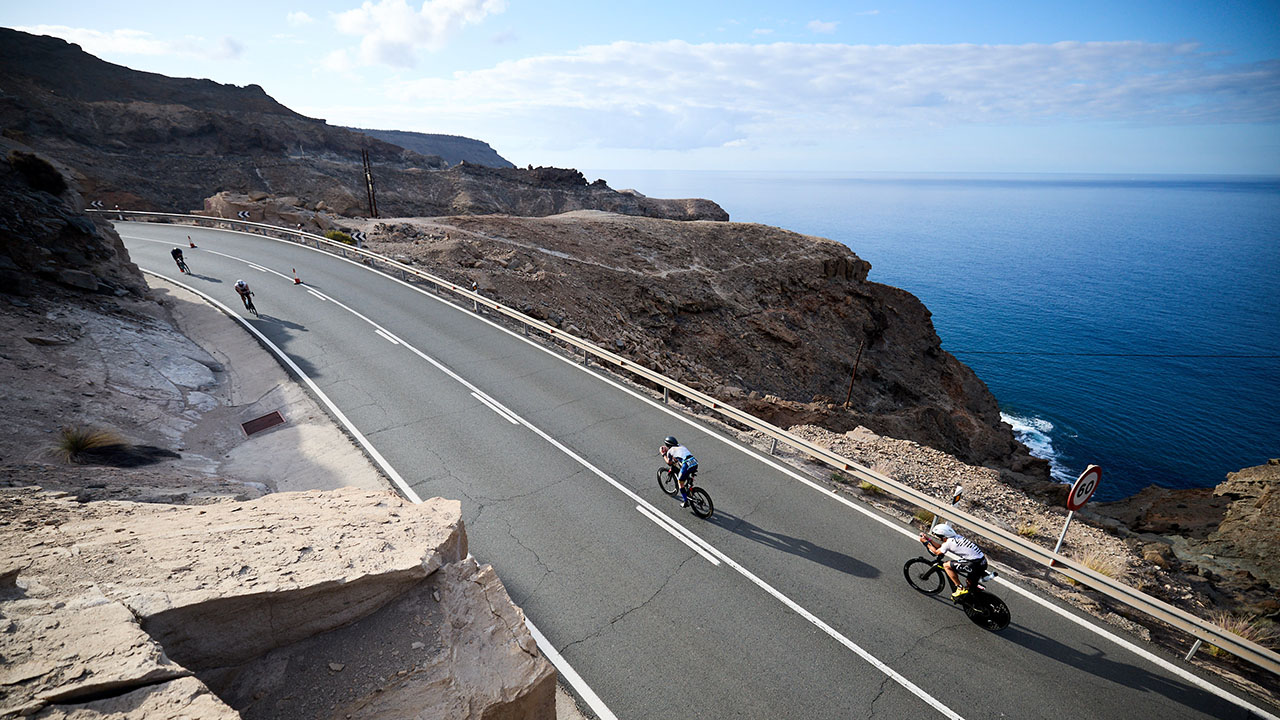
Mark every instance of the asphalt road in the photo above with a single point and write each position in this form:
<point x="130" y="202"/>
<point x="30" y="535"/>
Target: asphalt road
<point x="790" y="602"/>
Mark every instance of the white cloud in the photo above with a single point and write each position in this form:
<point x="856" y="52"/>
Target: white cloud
<point x="762" y="31"/>
<point x="868" y="12"/>
<point x="299" y="18"/>
<point x="825" y="28"/>
<point x="392" y="31"/>
<point x="138" y="42"/>
<point x="675" y="95"/>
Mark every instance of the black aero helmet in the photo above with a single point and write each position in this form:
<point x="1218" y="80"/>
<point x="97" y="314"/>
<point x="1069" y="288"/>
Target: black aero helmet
<point x="670" y="441"/>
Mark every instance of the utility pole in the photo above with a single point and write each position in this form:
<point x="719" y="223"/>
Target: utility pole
<point x="854" y="374"/>
<point x="368" y="181"/>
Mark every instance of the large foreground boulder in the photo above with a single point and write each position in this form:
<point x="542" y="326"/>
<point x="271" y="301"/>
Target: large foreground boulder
<point x="106" y="605"/>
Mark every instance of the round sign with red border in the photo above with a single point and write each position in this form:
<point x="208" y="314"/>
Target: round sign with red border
<point x="1083" y="488"/>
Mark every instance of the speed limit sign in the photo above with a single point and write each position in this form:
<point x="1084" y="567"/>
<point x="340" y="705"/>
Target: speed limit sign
<point x="1083" y="489"/>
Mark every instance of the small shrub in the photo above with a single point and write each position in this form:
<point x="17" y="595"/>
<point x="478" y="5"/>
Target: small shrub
<point x="339" y="236"/>
<point x="1028" y="528"/>
<point x="75" y="441"/>
<point x="839" y="478"/>
<point x="1249" y="627"/>
<point x="924" y="517"/>
<point x="869" y="488"/>
<point x="38" y="173"/>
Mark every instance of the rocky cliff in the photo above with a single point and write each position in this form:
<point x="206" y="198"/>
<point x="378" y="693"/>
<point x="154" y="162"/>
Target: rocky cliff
<point x="450" y="148"/>
<point x="145" y="141"/>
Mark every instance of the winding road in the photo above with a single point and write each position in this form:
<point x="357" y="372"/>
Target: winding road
<point x="788" y="602"/>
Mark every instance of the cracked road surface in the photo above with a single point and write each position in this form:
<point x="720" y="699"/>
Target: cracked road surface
<point x="653" y="627"/>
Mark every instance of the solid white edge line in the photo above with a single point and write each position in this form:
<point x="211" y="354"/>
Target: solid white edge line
<point x="1180" y="672"/>
<point x="494" y="408"/>
<point x="351" y="428"/>
<point x="1098" y="630"/>
<point x="589" y="696"/>
<point x="660" y="523"/>
<point x="259" y="268"/>
<point x="386" y="336"/>
<point x="313" y="292"/>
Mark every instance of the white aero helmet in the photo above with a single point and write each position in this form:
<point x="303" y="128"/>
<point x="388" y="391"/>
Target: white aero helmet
<point x="944" y="530"/>
<point x="240" y="283"/>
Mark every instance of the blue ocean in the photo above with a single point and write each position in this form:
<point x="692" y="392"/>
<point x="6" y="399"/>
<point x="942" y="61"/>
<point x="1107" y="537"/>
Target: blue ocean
<point x="1127" y="322"/>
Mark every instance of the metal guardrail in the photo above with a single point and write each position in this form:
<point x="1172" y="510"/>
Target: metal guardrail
<point x="1202" y="630"/>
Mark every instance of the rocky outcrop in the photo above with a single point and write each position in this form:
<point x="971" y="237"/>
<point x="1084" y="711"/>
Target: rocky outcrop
<point x="148" y="142"/>
<point x="44" y="236"/>
<point x="766" y="319"/>
<point x="450" y="148"/>
<point x="1225" y="537"/>
<point x="110" y="599"/>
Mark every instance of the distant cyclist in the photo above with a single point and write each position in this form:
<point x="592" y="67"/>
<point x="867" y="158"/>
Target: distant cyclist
<point x="682" y="461"/>
<point x="177" y="257"/>
<point x="242" y="288"/>
<point x="972" y="563"/>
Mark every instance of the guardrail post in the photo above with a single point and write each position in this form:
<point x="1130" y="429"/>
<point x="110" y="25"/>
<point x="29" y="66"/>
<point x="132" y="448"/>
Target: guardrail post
<point x="1193" y="650"/>
<point x="773" y="448"/>
<point x="666" y="395"/>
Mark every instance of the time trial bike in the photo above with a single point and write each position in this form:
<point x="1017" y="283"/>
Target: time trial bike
<point x="927" y="575"/>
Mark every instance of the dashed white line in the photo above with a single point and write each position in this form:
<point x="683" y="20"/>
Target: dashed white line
<point x="319" y="295"/>
<point x="386" y="336"/>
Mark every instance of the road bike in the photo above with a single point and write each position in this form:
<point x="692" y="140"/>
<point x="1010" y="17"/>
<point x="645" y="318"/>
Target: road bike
<point x="927" y="575"/>
<point x="182" y="266"/>
<point x="248" y="305"/>
<point x="699" y="500"/>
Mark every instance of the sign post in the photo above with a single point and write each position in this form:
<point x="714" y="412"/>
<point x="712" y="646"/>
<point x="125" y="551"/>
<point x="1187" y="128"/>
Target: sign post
<point x="1080" y="493"/>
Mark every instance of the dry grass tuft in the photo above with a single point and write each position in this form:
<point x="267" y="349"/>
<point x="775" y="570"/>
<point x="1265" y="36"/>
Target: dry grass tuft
<point x="1028" y="528"/>
<point x="1249" y="627"/>
<point x="870" y="489"/>
<point x="75" y="441"/>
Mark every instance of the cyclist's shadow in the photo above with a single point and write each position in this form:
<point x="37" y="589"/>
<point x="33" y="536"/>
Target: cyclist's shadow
<point x="796" y="546"/>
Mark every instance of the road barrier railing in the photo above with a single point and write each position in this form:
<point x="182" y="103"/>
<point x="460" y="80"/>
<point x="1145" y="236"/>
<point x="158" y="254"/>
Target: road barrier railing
<point x="1201" y="630"/>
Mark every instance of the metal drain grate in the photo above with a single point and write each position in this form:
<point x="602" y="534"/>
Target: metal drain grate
<point x="257" y="425"/>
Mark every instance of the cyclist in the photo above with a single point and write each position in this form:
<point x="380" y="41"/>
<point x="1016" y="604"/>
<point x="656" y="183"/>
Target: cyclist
<point x="972" y="562"/>
<point x="177" y="257"/>
<point x="242" y="287"/>
<point x="680" y="459"/>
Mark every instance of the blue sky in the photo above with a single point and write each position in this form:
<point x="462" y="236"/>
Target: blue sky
<point x="929" y="86"/>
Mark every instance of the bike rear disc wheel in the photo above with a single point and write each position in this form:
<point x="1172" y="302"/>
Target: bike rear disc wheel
<point x="700" y="503"/>
<point x="923" y="575"/>
<point x="667" y="481"/>
<point x="988" y="612"/>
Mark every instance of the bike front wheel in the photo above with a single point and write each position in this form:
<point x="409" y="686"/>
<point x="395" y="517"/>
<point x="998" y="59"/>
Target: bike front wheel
<point x="923" y="575"/>
<point x="987" y="611"/>
<point x="700" y="503"/>
<point x="667" y="481"/>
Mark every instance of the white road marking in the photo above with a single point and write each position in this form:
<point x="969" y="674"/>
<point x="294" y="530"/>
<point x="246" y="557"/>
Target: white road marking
<point x="546" y="646"/>
<point x="571" y="676"/>
<point x="259" y="268"/>
<point x="387" y="336"/>
<point x="319" y="295"/>
<point x="496" y="409"/>
<point x="662" y="523"/>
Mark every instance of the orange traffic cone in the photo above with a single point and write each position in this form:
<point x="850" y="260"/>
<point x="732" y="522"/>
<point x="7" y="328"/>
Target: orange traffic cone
<point x="190" y="242"/>
<point x="296" y="279"/>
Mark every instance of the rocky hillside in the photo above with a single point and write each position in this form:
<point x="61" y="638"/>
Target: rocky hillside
<point x="450" y="148"/>
<point x="145" y="141"/>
